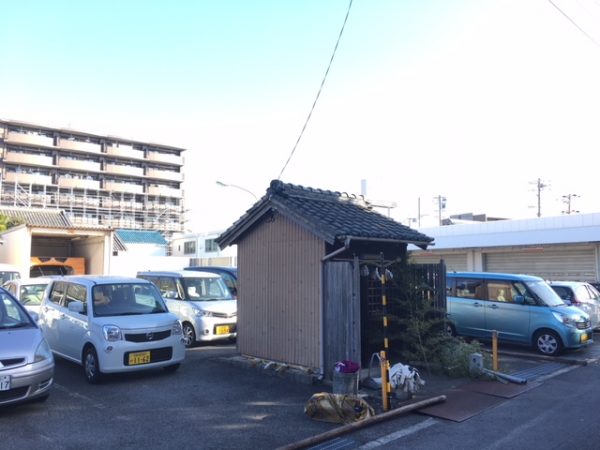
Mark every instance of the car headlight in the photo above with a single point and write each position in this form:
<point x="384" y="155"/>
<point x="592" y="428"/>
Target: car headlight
<point x="202" y="313"/>
<point x="176" y="329"/>
<point x="112" y="333"/>
<point x="42" y="352"/>
<point x="568" y="321"/>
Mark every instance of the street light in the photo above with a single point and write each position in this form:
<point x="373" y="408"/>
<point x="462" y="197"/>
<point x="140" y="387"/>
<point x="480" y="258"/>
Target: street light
<point x="220" y="183"/>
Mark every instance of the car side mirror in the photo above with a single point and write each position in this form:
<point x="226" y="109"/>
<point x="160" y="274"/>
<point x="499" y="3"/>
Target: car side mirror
<point x="519" y="299"/>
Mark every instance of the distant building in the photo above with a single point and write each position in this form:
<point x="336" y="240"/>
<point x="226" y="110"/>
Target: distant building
<point x="557" y="248"/>
<point x="203" y="250"/>
<point x="96" y="180"/>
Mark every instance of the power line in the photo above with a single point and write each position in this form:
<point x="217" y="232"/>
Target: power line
<point x="318" y="93"/>
<point x="574" y="23"/>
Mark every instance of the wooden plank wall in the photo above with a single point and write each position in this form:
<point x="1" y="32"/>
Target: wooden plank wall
<point x="341" y="297"/>
<point x="279" y="305"/>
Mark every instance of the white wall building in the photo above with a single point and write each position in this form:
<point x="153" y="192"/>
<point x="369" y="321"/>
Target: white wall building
<point x="203" y="250"/>
<point x="565" y="247"/>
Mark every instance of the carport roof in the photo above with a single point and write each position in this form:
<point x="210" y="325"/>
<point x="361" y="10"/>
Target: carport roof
<point x="332" y="216"/>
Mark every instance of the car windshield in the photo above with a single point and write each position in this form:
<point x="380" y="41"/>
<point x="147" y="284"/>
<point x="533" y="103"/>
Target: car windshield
<point x="32" y="294"/>
<point x="12" y="315"/>
<point x="127" y="299"/>
<point x="545" y="293"/>
<point x="205" y="289"/>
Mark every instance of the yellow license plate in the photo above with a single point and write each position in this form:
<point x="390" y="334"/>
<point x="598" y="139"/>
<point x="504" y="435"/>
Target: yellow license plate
<point x="584" y="337"/>
<point x="139" y="358"/>
<point x="222" y="329"/>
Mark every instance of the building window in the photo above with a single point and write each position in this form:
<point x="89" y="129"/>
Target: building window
<point x="189" y="248"/>
<point x="210" y="245"/>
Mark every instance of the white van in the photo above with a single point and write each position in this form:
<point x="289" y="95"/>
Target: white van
<point x="201" y="300"/>
<point x="9" y="272"/>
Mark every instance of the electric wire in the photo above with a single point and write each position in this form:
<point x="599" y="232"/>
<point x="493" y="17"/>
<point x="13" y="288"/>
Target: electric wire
<point x="574" y="23"/>
<point x="318" y="93"/>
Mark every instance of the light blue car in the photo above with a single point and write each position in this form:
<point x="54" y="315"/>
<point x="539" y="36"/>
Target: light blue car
<point x="522" y="309"/>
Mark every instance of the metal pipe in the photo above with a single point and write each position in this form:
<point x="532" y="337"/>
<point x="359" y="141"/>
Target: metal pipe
<point x="344" y="429"/>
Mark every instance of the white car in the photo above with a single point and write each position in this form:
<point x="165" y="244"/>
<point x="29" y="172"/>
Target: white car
<point x="29" y="291"/>
<point x="202" y="302"/>
<point x="26" y="362"/>
<point x="110" y="324"/>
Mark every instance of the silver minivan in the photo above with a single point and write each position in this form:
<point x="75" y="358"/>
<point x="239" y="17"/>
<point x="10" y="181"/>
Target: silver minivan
<point x="522" y="309"/>
<point x="201" y="300"/>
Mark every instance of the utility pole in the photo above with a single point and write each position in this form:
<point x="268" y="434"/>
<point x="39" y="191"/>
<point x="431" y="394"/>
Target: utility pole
<point x="566" y="199"/>
<point x="539" y="186"/>
<point x="441" y="201"/>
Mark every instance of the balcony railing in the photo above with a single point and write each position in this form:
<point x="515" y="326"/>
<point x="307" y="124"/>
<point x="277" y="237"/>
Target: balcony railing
<point x="27" y="178"/>
<point x="123" y="187"/>
<point x="124" y="151"/>
<point x="124" y="170"/>
<point x="165" y="157"/>
<point x="29" y="139"/>
<point x="69" y="163"/>
<point x="28" y="158"/>
<point x="78" y="183"/>
<point x="79" y="145"/>
<point x="164" y="175"/>
<point x="164" y="191"/>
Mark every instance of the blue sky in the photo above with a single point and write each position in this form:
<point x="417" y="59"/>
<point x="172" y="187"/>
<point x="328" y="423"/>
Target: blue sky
<point x="470" y="99"/>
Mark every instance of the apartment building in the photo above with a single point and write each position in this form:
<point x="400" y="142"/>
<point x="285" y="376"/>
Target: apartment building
<point x="96" y="180"/>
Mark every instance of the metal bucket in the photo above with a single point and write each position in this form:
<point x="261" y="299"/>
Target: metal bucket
<point x="345" y="383"/>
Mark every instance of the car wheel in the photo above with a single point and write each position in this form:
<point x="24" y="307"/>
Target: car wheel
<point x="172" y="368"/>
<point x="189" y="335"/>
<point x="91" y="366"/>
<point x="548" y="343"/>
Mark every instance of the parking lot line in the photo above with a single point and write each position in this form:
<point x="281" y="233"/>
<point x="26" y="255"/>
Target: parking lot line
<point x="398" y="434"/>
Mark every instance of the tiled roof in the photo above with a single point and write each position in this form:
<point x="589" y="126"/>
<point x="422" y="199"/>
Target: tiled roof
<point x="39" y="217"/>
<point x="140" y="237"/>
<point x="333" y="216"/>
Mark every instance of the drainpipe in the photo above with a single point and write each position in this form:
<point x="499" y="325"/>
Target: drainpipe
<point x="322" y="327"/>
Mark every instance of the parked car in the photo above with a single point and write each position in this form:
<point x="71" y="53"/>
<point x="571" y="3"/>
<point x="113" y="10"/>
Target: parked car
<point x="522" y="309"/>
<point x="202" y="302"/>
<point x="29" y="291"/>
<point x="26" y="362"/>
<point x="580" y="294"/>
<point x="229" y="275"/>
<point x="8" y="272"/>
<point x="110" y="324"/>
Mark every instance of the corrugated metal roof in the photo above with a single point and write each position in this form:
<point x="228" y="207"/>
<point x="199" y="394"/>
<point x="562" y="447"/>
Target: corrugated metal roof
<point x="141" y="237"/>
<point x="40" y="217"/>
<point x="332" y="216"/>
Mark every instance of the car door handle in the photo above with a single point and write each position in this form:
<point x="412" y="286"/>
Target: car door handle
<point x="61" y="316"/>
<point x="477" y="304"/>
<point x="494" y="306"/>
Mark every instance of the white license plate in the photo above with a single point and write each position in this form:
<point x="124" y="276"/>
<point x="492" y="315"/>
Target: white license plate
<point x="4" y="382"/>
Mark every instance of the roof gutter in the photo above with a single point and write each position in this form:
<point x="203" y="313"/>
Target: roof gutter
<point x="395" y="241"/>
<point x="339" y="250"/>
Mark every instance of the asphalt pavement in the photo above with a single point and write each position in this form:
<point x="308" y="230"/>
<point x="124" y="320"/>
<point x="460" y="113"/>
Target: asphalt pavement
<point x="214" y="402"/>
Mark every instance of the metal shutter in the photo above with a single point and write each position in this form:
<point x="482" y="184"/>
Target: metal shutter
<point x="551" y="263"/>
